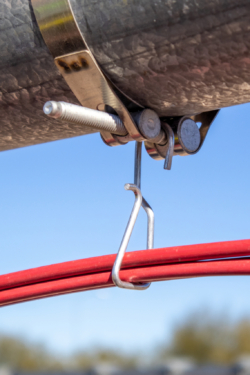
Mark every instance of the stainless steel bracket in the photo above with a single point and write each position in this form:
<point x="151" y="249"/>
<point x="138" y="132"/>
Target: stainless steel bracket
<point x="78" y="66"/>
<point x="206" y="119"/>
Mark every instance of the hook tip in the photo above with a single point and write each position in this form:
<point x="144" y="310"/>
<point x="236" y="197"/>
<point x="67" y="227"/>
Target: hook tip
<point x="127" y="186"/>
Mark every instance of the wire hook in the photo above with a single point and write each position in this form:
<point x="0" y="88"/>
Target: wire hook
<point x="139" y="201"/>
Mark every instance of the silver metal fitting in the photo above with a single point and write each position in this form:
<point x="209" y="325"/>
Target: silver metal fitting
<point x="183" y="138"/>
<point x="101" y="121"/>
<point x="149" y="125"/>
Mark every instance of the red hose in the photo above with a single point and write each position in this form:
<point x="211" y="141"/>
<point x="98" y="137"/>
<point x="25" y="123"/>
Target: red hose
<point x="133" y="259"/>
<point x="143" y="274"/>
<point x="140" y="266"/>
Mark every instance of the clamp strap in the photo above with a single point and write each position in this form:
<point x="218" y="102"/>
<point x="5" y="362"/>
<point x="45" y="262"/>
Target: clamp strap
<point x="77" y="64"/>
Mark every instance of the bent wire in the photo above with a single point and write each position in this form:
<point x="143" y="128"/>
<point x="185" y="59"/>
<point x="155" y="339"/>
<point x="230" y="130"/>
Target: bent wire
<point x="139" y="201"/>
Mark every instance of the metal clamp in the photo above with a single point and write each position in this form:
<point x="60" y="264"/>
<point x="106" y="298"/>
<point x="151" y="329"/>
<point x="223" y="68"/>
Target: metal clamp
<point x="78" y="66"/>
<point x="139" y="201"/>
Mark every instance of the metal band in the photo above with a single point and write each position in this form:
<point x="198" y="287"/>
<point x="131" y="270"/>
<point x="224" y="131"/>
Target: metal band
<point x="76" y="63"/>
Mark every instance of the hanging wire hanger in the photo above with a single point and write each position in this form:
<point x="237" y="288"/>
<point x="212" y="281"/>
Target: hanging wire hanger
<point x="139" y="201"/>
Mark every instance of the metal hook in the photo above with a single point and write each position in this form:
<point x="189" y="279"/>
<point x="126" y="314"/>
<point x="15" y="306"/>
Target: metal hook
<point x="139" y="201"/>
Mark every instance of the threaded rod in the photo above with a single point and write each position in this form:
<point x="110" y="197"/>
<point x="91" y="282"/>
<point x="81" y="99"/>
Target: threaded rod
<point x="98" y="120"/>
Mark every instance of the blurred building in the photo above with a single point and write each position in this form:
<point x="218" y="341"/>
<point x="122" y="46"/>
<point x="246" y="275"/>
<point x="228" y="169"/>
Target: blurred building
<point x="242" y="366"/>
<point x="173" y="366"/>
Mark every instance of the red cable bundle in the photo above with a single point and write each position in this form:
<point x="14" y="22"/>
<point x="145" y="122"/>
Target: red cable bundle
<point x="214" y="259"/>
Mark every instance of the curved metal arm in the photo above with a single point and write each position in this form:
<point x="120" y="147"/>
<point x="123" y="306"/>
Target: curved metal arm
<point x="139" y="201"/>
<point x="151" y="223"/>
<point x="126" y="237"/>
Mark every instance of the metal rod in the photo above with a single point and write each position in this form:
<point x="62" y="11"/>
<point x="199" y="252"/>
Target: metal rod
<point x="137" y="168"/>
<point x="139" y="201"/>
<point x="101" y="121"/>
<point x="151" y="223"/>
<point x="145" y="205"/>
<point x="125" y="240"/>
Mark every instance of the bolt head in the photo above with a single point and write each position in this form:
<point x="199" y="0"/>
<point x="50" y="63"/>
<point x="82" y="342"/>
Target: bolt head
<point x="189" y="135"/>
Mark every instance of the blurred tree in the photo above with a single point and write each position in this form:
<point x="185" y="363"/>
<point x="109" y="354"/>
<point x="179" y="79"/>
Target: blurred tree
<point x="242" y="337"/>
<point x="17" y="354"/>
<point x="209" y="339"/>
<point x="202" y="337"/>
<point x="20" y="355"/>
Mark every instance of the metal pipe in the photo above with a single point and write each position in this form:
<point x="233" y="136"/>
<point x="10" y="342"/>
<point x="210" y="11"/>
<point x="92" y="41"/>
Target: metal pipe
<point x="175" y="58"/>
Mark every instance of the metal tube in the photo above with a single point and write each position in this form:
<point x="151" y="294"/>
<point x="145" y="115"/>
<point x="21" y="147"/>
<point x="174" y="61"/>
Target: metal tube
<point x="97" y="120"/>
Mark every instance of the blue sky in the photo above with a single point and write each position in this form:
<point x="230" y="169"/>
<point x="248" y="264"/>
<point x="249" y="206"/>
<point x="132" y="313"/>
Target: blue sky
<point x="65" y="200"/>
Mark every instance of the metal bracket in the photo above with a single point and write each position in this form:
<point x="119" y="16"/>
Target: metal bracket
<point x="206" y="119"/>
<point x="78" y="66"/>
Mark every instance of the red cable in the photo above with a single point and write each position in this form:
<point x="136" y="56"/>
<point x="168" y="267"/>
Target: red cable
<point x="131" y="260"/>
<point x="143" y="274"/>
